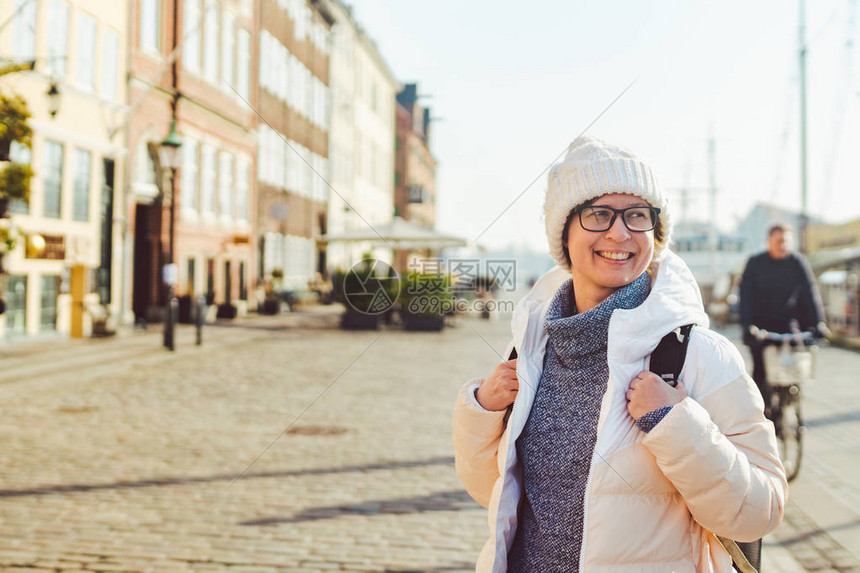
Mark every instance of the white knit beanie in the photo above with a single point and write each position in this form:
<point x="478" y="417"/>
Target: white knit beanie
<point x="592" y="168"/>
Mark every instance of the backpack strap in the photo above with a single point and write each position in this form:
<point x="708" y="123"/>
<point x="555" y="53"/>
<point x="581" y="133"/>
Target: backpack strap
<point x="739" y="559"/>
<point x="667" y="360"/>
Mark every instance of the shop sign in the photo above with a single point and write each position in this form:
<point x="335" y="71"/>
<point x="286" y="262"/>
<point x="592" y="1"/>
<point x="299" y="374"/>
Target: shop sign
<point x="829" y="237"/>
<point x="47" y="247"/>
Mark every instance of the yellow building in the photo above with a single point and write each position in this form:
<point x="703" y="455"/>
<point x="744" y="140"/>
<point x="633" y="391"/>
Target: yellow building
<point x="65" y="274"/>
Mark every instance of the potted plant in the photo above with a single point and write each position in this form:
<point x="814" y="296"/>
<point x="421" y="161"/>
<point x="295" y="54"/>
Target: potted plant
<point x="365" y="295"/>
<point x="14" y="177"/>
<point x="226" y="310"/>
<point x="425" y="301"/>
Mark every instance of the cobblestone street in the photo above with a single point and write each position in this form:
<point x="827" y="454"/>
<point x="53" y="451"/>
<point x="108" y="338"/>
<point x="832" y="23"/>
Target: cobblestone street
<point x="117" y="456"/>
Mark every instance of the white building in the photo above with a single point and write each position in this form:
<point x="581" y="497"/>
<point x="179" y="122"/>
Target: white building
<point x="66" y="269"/>
<point x="361" y="140"/>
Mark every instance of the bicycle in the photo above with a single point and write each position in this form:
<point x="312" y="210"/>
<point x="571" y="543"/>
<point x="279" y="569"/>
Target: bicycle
<point x="789" y="364"/>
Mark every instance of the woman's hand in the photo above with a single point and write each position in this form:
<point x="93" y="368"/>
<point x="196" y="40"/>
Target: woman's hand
<point x="648" y="392"/>
<point x="499" y="389"/>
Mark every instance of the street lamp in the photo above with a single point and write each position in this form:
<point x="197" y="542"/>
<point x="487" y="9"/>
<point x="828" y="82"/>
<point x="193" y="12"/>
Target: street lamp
<point x="53" y="100"/>
<point x="171" y="158"/>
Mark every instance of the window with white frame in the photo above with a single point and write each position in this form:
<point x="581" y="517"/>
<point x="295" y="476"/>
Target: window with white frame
<point x="52" y="177"/>
<point x="81" y="191"/>
<point x="58" y="37"/>
<point x="298" y="260"/>
<point x="189" y="175"/>
<point x="295" y="170"/>
<point x="263" y="62"/>
<point x="243" y="70"/>
<point x="85" y="59"/>
<point x="24" y="30"/>
<point x="293" y="89"/>
<point x="263" y="155"/>
<point x="210" y="41"/>
<point x="150" y="14"/>
<point x="307" y="93"/>
<point x="242" y="176"/>
<point x="228" y="50"/>
<point x="273" y="252"/>
<point x="207" y="183"/>
<point x="303" y="21"/>
<point x="307" y="170"/>
<point x="19" y="153"/>
<point x="191" y="35"/>
<point x="225" y="185"/>
<point x="110" y="62"/>
<point x="282" y="72"/>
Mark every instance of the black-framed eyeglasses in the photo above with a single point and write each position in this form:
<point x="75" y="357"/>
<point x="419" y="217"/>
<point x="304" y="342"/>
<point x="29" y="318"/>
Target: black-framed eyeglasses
<point x="598" y="218"/>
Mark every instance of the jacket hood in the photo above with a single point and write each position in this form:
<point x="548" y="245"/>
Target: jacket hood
<point x="674" y="301"/>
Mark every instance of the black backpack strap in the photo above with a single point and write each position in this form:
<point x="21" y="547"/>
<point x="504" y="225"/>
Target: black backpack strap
<point x="667" y="360"/>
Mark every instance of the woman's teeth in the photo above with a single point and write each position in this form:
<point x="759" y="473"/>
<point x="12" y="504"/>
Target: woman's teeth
<point x="614" y="256"/>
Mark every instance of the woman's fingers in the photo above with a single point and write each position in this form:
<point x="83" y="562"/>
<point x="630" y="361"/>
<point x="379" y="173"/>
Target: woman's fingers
<point x="648" y="392"/>
<point x="500" y="389"/>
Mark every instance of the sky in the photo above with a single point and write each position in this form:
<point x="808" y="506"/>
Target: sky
<point x="513" y="83"/>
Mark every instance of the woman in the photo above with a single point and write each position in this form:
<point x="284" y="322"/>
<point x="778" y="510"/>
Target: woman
<point x="587" y="461"/>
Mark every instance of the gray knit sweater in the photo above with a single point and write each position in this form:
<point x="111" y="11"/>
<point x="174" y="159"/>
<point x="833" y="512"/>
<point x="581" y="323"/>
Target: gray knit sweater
<point x="557" y="442"/>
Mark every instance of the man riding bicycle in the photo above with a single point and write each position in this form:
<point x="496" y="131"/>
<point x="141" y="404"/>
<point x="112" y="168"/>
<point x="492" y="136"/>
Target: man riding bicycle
<point x="778" y="290"/>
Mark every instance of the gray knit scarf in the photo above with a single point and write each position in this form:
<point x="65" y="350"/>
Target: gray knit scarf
<point x="557" y="442"/>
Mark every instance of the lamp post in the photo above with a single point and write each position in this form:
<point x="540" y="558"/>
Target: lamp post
<point x="53" y="95"/>
<point x="171" y="158"/>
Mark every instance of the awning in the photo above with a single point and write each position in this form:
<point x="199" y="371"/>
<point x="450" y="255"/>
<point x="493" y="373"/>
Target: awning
<point x="397" y="234"/>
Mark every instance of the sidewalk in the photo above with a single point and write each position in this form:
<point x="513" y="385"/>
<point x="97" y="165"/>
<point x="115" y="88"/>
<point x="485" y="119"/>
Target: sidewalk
<point x="41" y="356"/>
<point x="131" y="438"/>
<point x="846" y="342"/>
<point x="821" y="529"/>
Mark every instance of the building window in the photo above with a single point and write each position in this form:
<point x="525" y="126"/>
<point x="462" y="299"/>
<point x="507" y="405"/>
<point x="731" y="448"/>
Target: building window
<point x="48" y="298"/>
<point x="243" y="285"/>
<point x="110" y="49"/>
<point x="52" y="176"/>
<point x="228" y="47"/>
<point x="242" y="174"/>
<point x="85" y="59"/>
<point x="189" y="175"/>
<point x="191" y="35"/>
<point x="81" y="193"/>
<point x="58" y="38"/>
<point x="150" y="14"/>
<point x="19" y="153"/>
<point x="207" y="189"/>
<point x="228" y="282"/>
<point x="16" y="304"/>
<point x="24" y="30"/>
<point x="243" y="79"/>
<point x="225" y="185"/>
<point x="190" y="287"/>
<point x="210" y="42"/>
<point x="210" y="281"/>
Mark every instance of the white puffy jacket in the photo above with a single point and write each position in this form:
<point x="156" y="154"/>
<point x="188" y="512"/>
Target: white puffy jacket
<point x="654" y="502"/>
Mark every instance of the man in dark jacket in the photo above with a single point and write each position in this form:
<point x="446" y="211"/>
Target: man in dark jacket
<point x="777" y="288"/>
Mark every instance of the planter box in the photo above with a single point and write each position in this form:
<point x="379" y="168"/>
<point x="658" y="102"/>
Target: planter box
<point x="185" y="306"/>
<point x="358" y="321"/>
<point x="270" y="306"/>
<point x="226" y="311"/>
<point x="423" y="323"/>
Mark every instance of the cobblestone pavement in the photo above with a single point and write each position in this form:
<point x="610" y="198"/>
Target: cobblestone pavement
<point x="117" y="456"/>
<point x="822" y="524"/>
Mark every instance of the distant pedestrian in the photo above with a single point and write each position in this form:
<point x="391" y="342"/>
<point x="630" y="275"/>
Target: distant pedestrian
<point x="587" y="461"/>
<point x="778" y="291"/>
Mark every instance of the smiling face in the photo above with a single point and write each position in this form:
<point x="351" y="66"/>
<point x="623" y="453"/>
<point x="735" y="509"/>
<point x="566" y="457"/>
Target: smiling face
<point x="602" y="262"/>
